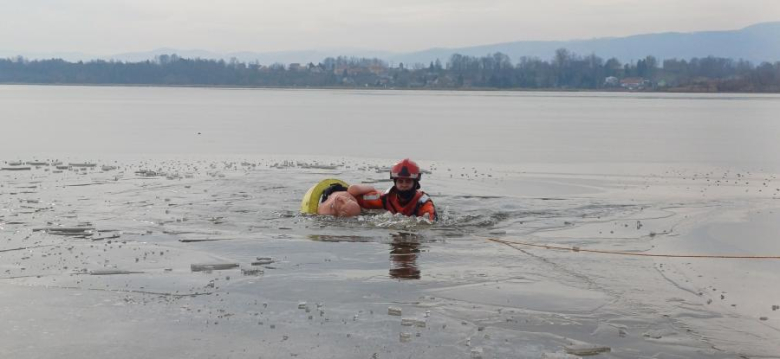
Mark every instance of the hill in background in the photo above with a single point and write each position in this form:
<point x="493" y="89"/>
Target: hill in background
<point x="757" y="43"/>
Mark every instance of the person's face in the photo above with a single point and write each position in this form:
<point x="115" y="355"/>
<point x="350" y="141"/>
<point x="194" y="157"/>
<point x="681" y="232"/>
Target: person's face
<point x="404" y="184"/>
<point x="340" y="204"/>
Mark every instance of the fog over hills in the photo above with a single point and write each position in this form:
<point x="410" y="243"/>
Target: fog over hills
<point x="756" y="43"/>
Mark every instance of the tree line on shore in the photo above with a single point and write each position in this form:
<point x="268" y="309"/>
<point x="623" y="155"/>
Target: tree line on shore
<point x="565" y="70"/>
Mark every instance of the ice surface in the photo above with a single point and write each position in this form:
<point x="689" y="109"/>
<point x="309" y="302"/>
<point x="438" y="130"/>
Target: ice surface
<point x="216" y="252"/>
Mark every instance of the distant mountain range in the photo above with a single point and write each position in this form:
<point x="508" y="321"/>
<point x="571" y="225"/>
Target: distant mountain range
<point x="756" y="43"/>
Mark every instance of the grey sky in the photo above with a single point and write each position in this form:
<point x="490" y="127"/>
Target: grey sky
<point x="115" y="26"/>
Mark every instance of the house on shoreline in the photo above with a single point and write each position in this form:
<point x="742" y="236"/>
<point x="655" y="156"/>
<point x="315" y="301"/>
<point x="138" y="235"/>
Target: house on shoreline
<point x="634" y="83"/>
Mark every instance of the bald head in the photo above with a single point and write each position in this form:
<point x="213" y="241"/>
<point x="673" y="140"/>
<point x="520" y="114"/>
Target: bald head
<point x="339" y="204"/>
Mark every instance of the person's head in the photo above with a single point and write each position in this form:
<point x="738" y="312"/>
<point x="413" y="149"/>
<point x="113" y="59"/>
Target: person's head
<point x="406" y="176"/>
<point x="339" y="204"/>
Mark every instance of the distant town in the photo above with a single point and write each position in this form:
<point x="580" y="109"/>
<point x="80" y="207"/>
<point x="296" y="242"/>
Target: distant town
<point x="563" y="71"/>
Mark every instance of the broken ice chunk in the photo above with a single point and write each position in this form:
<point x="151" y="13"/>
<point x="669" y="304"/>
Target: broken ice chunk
<point x="405" y="337"/>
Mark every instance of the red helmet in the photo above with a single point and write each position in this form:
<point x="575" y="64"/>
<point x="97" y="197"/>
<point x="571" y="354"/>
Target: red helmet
<point x="406" y="169"/>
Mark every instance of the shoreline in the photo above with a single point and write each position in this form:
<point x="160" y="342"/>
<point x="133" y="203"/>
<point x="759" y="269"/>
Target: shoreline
<point x="472" y="89"/>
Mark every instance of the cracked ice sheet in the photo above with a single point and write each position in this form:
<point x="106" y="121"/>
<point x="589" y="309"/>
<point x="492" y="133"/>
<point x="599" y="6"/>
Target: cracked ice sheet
<point x="739" y="292"/>
<point x="356" y="268"/>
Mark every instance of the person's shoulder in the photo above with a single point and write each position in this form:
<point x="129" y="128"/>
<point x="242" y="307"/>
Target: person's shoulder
<point x="424" y="197"/>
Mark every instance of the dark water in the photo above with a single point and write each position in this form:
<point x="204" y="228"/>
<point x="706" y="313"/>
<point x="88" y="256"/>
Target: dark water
<point x="113" y="259"/>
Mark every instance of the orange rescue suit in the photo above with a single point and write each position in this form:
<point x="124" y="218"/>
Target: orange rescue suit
<point x="420" y="205"/>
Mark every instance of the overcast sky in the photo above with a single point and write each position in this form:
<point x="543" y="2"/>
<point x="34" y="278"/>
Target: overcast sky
<point x="105" y="27"/>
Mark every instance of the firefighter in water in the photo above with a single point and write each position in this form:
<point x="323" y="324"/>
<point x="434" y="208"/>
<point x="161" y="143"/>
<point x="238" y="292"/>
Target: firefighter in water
<point x="404" y="197"/>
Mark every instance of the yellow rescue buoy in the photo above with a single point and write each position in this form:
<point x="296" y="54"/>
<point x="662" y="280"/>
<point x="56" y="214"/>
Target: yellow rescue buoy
<point x="311" y="200"/>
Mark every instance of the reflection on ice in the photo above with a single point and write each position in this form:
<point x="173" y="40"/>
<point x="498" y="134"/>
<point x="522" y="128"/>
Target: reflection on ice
<point x="404" y="251"/>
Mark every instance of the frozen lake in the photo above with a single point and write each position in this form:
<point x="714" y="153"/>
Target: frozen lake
<point x="113" y="197"/>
